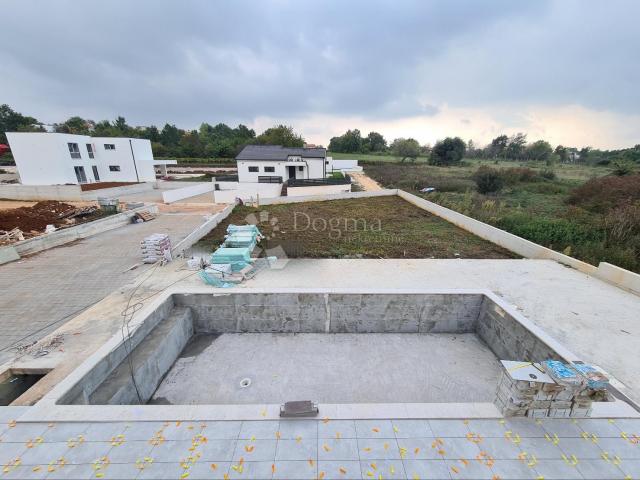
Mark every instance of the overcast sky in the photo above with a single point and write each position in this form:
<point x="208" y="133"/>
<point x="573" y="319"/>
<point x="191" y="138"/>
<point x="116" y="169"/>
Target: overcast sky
<point x="565" y="70"/>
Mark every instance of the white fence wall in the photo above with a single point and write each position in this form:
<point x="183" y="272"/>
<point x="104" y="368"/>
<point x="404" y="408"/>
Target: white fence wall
<point x="317" y="190"/>
<point x="170" y="196"/>
<point x="248" y="192"/>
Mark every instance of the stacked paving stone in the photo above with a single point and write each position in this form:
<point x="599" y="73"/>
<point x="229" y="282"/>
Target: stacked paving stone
<point x="550" y="389"/>
<point x="156" y="247"/>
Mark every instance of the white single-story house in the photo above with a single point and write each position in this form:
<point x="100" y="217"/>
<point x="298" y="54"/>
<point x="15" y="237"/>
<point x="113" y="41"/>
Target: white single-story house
<point x="268" y="171"/>
<point x="60" y="158"/>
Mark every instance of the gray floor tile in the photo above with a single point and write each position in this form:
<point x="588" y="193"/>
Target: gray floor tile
<point x="293" y="429"/>
<point x="470" y="471"/>
<point x="599" y="469"/>
<point x="557" y="470"/>
<point x="171" y="451"/>
<point x="502" y="448"/>
<point x="621" y="447"/>
<point x="23" y="432"/>
<point x="448" y="428"/>
<point x="43" y="453"/>
<point x="8" y="414"/>
<point x="222" y="430"/>
<point x="130" y="451"/>
<point x="580" y="447"/>
<point x="339" y="470"/>
<point x="255" y="451"/>
<point x="419" y="448"/>
<point x="513" y="469"/>
<point x="252" y="470"/>
<point x="260" y="430"/>
<point x="629" y="425"/>
<point x="61" y="432"/>
<point x="380" y="448"/>
<point x="525" y="427"/>
<point x="382" y="468"/>
<point x="599" y="426"/>
<point x="456" y="448"/>
<point x="335" y="428"/>
<point x="217" y="450"/>
<point x="204" y="470"/>
<point x="374" y="429"/>
<point x="11" y="451"/>
<point x="76" y="472"/>
<point x="103" y="431"/>
<point x="87" y="452"/>
<point x="411" y="428"/>
<point x="294" y="470"/>
<point x="631" y="468"/>
<point x="334" y="449"/>
<point x="541" y="448"/>
<point x="487" y="428"/>
<point x="301" y="450"/>
<point x="426" y="469"/>
<point x="182" y="430"/>
<point x="562" y="427"/>
<point x="161" y="471"/>
<point x="25" y="472"/>
<point x="142" y="430"/>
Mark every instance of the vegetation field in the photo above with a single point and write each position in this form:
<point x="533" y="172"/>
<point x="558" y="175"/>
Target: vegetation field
<point x="580" y="210"/>
<point x="381" y="227"/>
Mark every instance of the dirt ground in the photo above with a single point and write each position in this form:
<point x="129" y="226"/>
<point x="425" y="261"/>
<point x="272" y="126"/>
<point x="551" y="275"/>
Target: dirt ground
<point x="381" y="227"/>
<point x="85" y="187"/>
<point x="33" y="219"/>
<point x="367" y="183"/>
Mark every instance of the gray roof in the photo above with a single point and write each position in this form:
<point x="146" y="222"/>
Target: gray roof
<point x="277" y="152"/>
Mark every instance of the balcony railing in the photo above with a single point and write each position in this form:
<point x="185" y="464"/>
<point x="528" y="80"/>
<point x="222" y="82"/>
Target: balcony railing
<point x="226" y="178"/>
<point x="315" y="182"/>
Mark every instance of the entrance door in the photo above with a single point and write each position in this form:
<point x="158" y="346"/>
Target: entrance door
<point x="292" y="171"/>
<point x="95" y="173"/>
<point x="80" y="175"/>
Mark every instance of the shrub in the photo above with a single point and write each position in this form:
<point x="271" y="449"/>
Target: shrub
<point x="447" y="152"/>
<point x="557" y="232"/>
<point x="604" y="193"/>
<point x="488" y="180"/>
<point x="548" y="174"/>
<point x="622" y="167"/>
<point x="623" y="223"/>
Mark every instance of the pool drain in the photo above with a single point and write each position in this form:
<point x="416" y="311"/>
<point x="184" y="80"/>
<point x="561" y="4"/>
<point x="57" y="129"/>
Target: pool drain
<point x="245" y="382"/>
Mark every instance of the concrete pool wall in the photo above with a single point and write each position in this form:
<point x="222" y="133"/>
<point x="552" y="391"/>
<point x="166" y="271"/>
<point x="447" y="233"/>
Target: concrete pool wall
<point x="161" y="332"/>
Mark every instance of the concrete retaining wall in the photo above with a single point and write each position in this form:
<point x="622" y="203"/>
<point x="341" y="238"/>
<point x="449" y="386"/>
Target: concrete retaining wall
<point x="248" y="192"/>
<point x="69" y="193"/>
<point x="170" y="196"/>
<point x="67" y="235"/>
<point x="321" y="198"/>
<point x="202" y="230"/>
<point x="319" y="190"/>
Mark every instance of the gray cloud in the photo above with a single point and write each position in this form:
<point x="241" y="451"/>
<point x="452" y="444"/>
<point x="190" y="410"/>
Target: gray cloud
<point x="190" y="61"/>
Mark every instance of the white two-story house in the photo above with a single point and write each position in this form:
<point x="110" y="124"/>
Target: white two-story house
<point x="60" y="158"/>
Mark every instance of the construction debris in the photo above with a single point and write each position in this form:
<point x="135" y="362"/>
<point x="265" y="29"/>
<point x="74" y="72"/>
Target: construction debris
<point x="21" y="223"/>
<point x="155" y="248"/>
<point x="549" y="389"/>
<point x="143" y="216"/>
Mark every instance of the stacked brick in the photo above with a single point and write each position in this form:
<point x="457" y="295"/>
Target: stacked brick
<point x="549" y="389"/>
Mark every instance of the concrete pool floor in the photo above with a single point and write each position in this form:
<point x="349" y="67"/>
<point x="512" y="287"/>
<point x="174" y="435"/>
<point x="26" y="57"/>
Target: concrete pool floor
<point x="331" y="368"/>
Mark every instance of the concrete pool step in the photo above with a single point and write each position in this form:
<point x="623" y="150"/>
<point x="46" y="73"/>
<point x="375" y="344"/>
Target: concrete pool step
<point x="149" y="361"/>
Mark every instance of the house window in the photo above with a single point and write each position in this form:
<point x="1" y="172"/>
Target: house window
<point x="74" y="150"/>
<point x="90" y="150"/>
<point x="254" y="169"/>
<point x="109" y="146"/>
<point x="301" y="169"/>
<point x="80" y="175"/>
<point x="270" y="169"/>
<point x="114" y="168"/>
<point x="95" y="172"/>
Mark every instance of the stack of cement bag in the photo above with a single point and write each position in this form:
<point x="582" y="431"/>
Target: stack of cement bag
<point x="156" y="247"/>
<point x="549" y="389"/>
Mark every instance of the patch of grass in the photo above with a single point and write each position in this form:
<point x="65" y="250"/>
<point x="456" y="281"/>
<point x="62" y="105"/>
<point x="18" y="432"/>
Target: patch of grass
<point x="379" y="227"/>
<point x="584" y="219"/>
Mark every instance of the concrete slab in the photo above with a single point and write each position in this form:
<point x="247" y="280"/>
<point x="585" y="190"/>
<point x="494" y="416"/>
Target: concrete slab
<point x="331" y="368"/>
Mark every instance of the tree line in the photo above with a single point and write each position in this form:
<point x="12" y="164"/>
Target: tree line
<point x="452" y="150"/>
<point x="209" y="141"/>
